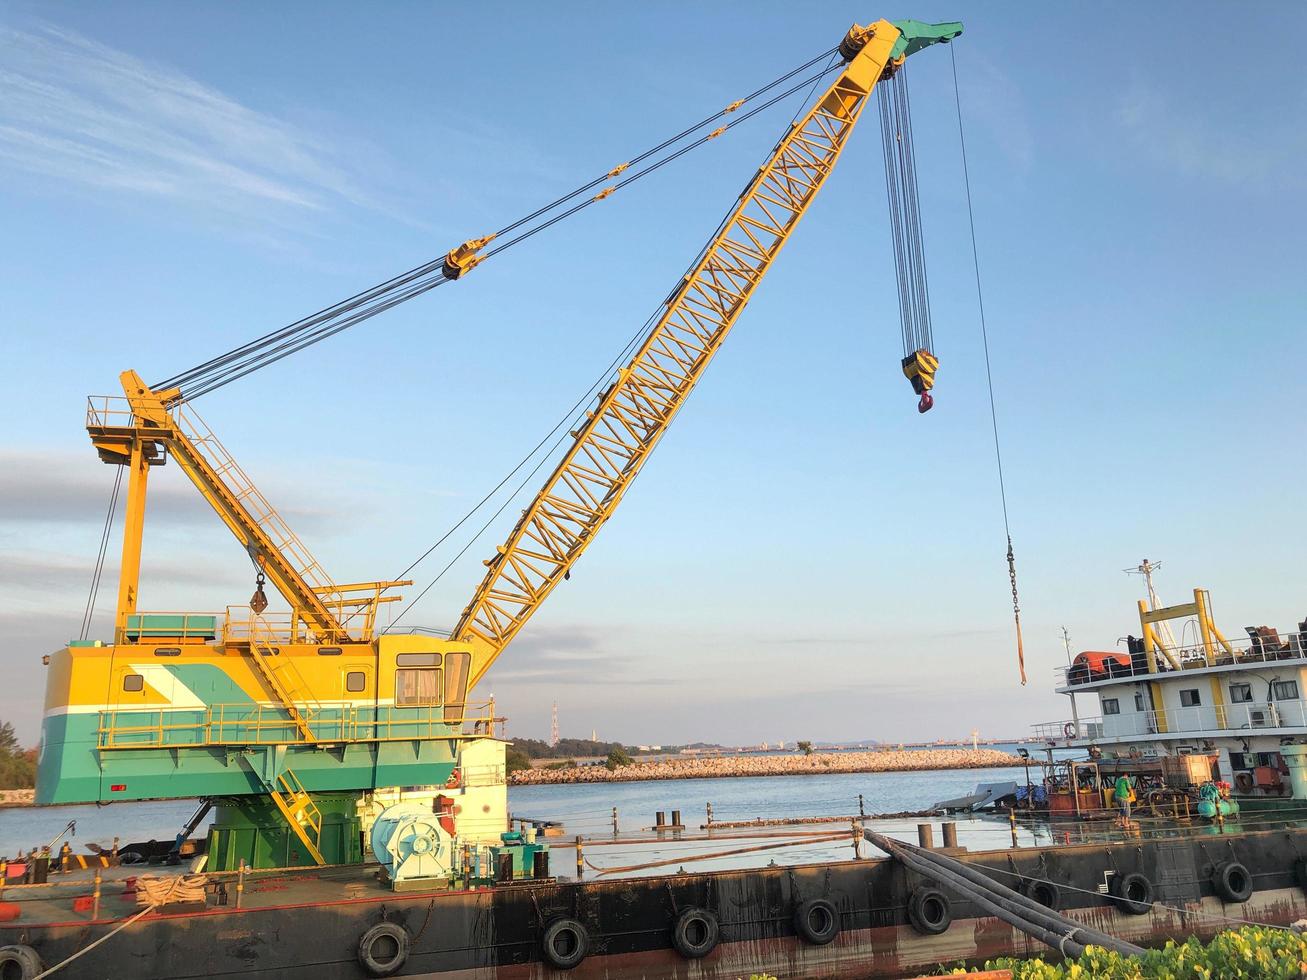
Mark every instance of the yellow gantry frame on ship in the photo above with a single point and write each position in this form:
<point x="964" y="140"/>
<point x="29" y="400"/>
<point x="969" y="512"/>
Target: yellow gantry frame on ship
<point x="607" y="451"/>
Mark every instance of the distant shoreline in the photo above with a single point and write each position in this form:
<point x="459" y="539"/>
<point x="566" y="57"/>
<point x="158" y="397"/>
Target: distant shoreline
<point x="17" y="797"/>
<point x="817" y="764"/>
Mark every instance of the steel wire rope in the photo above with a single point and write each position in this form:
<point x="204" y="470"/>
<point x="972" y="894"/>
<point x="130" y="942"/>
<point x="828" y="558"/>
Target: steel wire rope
<point x="989" y="375"/>
<point x="94" y="593"/>
<point x="322" y="326"/>
<point x="630" y="345"/>
<point x="212" y="367"/>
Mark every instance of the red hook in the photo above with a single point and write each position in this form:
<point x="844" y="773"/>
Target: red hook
<point x="926" y="403"/>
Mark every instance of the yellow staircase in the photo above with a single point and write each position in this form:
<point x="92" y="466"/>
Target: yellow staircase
<point x="282" y="679"/>
<point x="301" y="813"/>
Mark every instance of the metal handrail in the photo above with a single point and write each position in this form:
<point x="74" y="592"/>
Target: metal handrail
<point x="1191" y="657"/>
<point x="1244" y="716"/>
<point x="256" y="724"/>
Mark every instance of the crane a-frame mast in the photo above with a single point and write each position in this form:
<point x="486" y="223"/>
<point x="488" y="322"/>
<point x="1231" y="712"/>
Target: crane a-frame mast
<point x="620" y="432"/>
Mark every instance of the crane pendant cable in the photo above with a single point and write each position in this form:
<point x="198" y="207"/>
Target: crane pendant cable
<point x="989" y="378"/>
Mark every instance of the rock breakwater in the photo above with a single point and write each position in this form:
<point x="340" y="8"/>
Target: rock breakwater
<point x="819" y="763"/>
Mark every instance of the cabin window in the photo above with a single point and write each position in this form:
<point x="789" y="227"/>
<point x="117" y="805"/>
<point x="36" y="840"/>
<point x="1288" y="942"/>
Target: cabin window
<point x="1190" y="698"/>
<point x="1285" y="690"/>
<point x="168" y="651"/>
<point x="1241" y="693"/>
<point x="1140" y="705"/>
<point x="328" y="651"/>
<point x="418" y="685"/>
<point x="356" y="681"/>
<point x="1111" y="706"/>
<point x="133" y="682"/>
<point x="418" y="660"/>
<point x="457" y="666"/>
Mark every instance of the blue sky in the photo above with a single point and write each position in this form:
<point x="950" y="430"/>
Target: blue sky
<point x="805" y="556"/>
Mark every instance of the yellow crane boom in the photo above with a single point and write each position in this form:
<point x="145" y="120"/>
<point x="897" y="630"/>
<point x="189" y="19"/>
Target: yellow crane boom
<point x="618" y="435"/>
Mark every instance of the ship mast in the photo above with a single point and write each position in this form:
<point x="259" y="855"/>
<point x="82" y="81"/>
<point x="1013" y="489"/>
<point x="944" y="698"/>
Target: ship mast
<point x="1145" y="569"/>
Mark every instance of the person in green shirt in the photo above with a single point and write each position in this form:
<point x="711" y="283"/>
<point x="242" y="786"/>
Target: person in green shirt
<point x="1123" y="793"/>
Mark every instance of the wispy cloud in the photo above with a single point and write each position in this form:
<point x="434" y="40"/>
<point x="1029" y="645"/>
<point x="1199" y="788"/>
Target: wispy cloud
<point x="1196" y="142"/>
<point x="998" y="106"/>
<point x="69" y="488"/>
<point x="77" y="111"/>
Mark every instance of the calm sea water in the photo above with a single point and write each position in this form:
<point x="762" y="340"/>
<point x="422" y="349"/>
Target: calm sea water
<point x="587" y="809"/>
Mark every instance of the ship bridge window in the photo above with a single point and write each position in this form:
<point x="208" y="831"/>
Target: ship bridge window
<point x="418" y="685"/>
<point x="1111" y="706"/>
<point x="168" y="651"/>
<point x="1241" y="693"/>
<point x="133" y="682"/>
<point x="1285" y="690"/>
<point x="1190" y="698"/>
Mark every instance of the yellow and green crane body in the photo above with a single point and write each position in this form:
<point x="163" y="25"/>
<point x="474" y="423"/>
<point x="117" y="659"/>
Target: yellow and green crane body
<point x="282" y="719"/>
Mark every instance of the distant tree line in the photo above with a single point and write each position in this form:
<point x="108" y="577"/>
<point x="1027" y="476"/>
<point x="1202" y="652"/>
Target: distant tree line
<point x="567" y="748"/>
<point x="17" y="764"/>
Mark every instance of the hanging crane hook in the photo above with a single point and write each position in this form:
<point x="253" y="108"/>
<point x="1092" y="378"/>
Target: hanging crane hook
<point x="258" y="601"/>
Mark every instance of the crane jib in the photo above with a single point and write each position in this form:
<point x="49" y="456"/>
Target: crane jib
<point x="630" y="417"/>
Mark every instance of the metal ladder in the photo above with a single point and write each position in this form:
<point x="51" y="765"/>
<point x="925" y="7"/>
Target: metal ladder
<point x="303" y="815"/>
<point x="282" y="679"/>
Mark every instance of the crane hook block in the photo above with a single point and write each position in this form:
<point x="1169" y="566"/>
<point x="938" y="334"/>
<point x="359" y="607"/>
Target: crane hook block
<point x="464" y="257"/>
<point x="919" y="367"/>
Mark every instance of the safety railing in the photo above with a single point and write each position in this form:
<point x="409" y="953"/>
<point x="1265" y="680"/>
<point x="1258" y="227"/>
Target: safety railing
<point x="1199" y="719"/>
<point x="109" y="412"/>
<point x="252" y="724"/>
<point x="1291" y="646"/>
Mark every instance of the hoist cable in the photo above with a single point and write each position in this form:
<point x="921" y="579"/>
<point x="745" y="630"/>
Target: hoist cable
<point x="220" y="370"/>
<point x="989" y="376"/>
<point x="567" y="417"/>
<point x="89" y="613"/>
<point x="905" y="212"/>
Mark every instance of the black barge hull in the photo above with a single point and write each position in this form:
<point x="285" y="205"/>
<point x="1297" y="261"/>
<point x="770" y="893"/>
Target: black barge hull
<point x="308" y="926"/>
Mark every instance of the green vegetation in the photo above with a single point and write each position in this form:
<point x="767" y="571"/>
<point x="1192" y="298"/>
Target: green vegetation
<point x="17" y="765"/>
<point x="805" y="747"/>
<point x="567" y="748"/>
<point x="617" y="758"/>
<point x="515" y="760"/>
<point x="1260" y="952"/>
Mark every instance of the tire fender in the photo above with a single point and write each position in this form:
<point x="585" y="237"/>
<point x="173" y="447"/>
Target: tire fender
<point x="695" y="933"/>
<point x="23" y="958"/>
<point x="565" y="943"/>
<point x="817" y="920"/>
<point x="1132" y="892"/>
<point x="1233" y="882"/>
<point x="384" y="948"/>
<point x="929" y="911"/>
<point x="1045" y="892"/>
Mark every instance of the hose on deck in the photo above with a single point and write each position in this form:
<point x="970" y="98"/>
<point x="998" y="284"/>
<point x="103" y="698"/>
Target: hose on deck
<point x="1066" y="935"/>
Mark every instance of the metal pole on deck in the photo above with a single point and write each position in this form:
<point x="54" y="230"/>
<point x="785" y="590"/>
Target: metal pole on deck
<point x="580" y="864"/>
